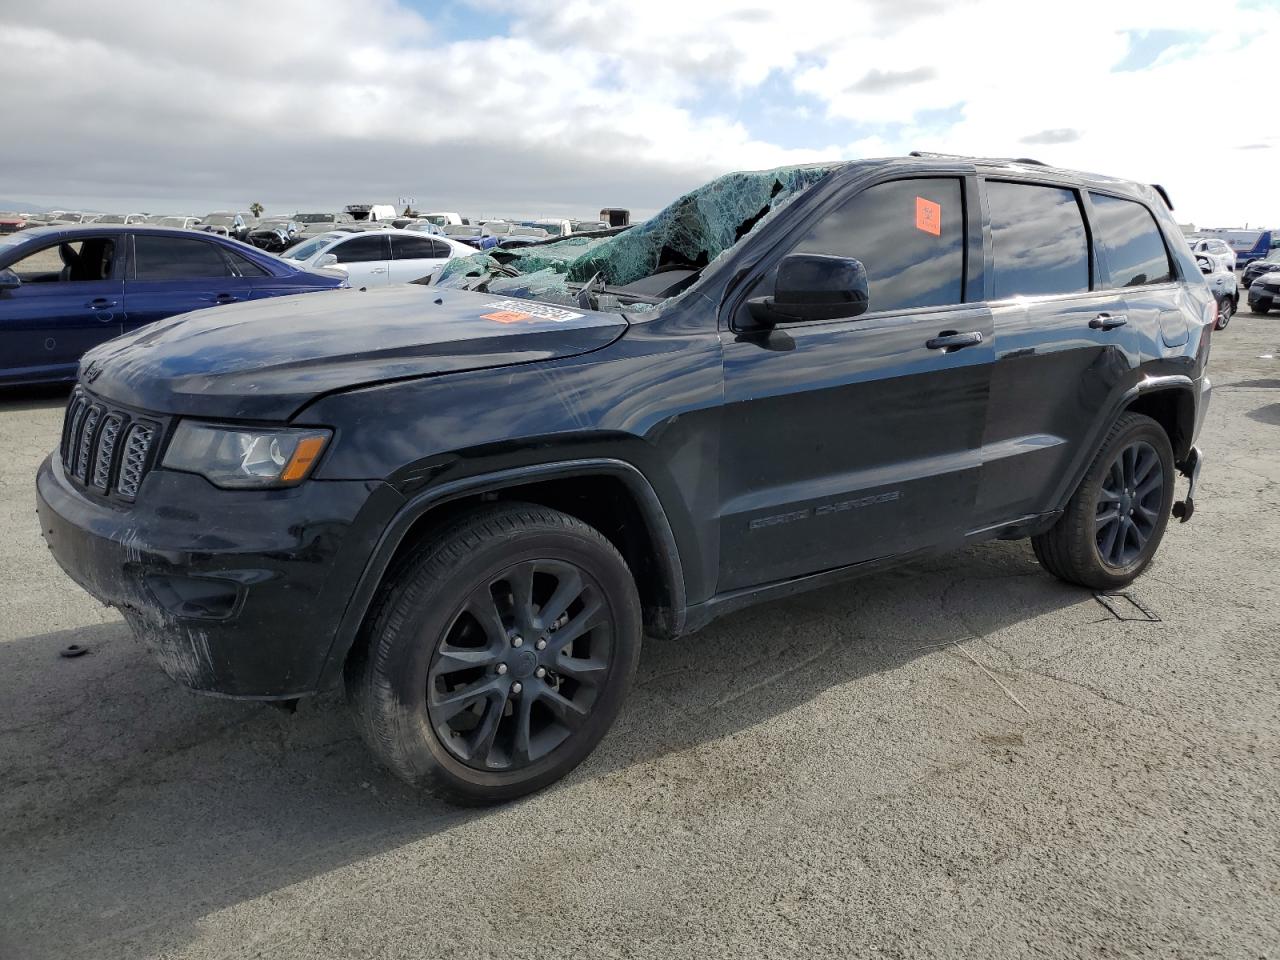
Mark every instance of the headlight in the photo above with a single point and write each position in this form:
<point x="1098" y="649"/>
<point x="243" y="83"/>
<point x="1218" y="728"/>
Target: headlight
<point x="230" y="457"/>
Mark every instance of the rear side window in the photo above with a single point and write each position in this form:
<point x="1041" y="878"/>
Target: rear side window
<point x="442" y="250"/>
<point x="413" y="248"/>
<point x="246" y="267"/>
<point x="1128" y="234"/>
<point x="172" y="258"/>
<point x="1038" y="241"/>
<point x="363" y="249"/>
<point x="910" y="236"/>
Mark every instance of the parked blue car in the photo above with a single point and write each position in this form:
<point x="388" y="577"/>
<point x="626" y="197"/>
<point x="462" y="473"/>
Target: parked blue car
<point x="68" y="288"/>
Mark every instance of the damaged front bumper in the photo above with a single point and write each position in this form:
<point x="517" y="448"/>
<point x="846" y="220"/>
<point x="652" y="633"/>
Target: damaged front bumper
<point x="236" y="593"/>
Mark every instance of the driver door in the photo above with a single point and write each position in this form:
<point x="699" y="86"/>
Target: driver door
<point x="855" y="439"/>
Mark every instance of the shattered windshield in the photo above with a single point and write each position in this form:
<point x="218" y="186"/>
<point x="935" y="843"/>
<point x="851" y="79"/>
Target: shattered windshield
<point x="618" y="271"/>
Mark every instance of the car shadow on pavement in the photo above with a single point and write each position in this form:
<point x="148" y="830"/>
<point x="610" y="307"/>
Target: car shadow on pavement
<point x="131" y="808"/>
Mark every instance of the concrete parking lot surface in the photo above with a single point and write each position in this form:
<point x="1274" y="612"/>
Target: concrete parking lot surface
<point x="960" y="758"/>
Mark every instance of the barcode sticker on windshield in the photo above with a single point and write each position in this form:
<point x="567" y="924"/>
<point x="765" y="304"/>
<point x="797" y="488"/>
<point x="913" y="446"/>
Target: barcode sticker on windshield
<point x="928" y="216"/>
<point x="532" y="310"/>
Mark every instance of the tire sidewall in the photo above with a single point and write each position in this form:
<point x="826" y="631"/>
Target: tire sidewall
<point x="424" y="616"/>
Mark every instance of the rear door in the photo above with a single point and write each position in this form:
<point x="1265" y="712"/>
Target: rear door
<point x="413" y="258"/>
<point x="366" y="257"/>
<point x="849" y="440"/>
<point x="71" y="299"/>
<point x="171" y="275"/>
<point x="1064" y="346"/>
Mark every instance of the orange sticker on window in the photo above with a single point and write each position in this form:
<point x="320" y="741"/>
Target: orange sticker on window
<point x="928" y="216"/>
<point x="506" y="316"/>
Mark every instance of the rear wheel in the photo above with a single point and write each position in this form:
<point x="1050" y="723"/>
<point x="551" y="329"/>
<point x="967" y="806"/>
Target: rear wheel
<point x="1226" y="310"/>
<point x="499" y="654"/>
<point x="1114" y="522"/>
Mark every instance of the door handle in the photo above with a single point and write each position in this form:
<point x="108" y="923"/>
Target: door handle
<point x="226" y="298"/>
<point x="1108" y="321"/>
<point x="949" y="340"/>
<point x="378" y="270"/>
<point x="100" y="303"/>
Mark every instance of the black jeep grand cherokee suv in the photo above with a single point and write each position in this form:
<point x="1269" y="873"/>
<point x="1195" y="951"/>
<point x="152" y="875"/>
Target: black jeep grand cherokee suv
<point x="469" y="499"/>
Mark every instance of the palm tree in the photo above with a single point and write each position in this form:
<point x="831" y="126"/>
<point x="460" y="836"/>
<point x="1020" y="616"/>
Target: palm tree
<point x="256" y="208"/>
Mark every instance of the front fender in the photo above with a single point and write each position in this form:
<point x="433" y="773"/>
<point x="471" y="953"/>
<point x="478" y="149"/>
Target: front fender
<point x="421" y="504"/>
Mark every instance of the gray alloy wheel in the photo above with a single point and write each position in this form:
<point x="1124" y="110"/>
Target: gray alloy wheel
<point x="1128" y="505"/>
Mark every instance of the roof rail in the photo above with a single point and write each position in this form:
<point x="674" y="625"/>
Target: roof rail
<point x="928" y="155"/>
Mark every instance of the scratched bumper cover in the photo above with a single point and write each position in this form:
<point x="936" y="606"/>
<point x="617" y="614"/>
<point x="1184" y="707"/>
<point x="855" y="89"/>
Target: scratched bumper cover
<point x="280" y="562"/>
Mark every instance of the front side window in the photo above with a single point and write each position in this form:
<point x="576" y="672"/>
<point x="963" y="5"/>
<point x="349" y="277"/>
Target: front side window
<point x="76" y="260"/>
<point x="1135" y="251"/>
<point x="362" y="249"/>
<point x="909" y="235"/>
<point x="1038" y="242"/>
<point x="174" y="258"/>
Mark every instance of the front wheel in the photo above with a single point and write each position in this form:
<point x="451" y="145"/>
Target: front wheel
<point x="499" y="654"/>
<point x="1114" y="522"/>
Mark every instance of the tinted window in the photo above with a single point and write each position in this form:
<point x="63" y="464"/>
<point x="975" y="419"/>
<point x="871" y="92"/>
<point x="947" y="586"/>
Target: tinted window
<point x="1038" y="241"/>
<point x="246" y="267"/>
<point x="170" y="258"/>
<point x="413" y="248"/>
<point x="1128" y="234"/>
<point x="362" y="249"/>
<point x="443" y="250"/>
<point x="909" y="234"/>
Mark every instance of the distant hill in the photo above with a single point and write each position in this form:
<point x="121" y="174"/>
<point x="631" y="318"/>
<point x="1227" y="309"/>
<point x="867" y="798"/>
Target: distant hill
<point x="15" y="207"/>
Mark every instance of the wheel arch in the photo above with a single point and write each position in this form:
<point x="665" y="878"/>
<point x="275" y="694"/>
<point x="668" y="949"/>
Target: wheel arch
<point x="1170" y="402"/>
<point x="611" y="495"/>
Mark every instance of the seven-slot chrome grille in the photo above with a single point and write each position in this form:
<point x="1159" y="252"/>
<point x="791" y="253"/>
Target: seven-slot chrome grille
<point x="106" y="449"/>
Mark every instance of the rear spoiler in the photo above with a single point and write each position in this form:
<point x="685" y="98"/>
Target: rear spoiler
<point x="1164" y="195"/>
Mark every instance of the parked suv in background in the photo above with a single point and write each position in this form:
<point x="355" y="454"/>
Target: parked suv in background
<point x="469" y="499"/>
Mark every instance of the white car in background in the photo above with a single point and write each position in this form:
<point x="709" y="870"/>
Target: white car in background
<point x="377" y="258"/>
<point x="1223" y="257"/>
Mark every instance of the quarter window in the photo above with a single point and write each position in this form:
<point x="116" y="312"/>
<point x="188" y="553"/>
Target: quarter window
<point x="172" y="258"/>
<point x="246" y="267"/>
<point x="1039" y="245"/>
<point x="909" y="235"/>
<point x="1128" y="234"/>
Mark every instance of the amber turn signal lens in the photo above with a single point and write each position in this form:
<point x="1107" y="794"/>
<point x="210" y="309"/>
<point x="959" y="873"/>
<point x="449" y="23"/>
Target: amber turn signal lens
<point x="303" y="458"/>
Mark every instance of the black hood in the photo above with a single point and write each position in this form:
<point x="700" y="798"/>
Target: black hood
<point x="264" y="360"/>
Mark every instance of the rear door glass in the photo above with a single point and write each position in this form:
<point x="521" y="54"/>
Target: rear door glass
<point x="1038" y="242"/>
<point x="174" y="258"/>
<point x="364" y="249"/>
<point x="412" y="248"/>
<point x="1128" y="235"/>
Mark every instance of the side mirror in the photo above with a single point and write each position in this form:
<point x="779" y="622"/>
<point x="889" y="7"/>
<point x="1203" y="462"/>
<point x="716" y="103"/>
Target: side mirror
<point x="328" y="260"/>
<point x="1205" y="264"/>
<point x="813" y="286"/>
<point x="9" y="280"/>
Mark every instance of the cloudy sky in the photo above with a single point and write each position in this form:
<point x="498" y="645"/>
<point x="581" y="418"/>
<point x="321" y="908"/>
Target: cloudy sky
<point x="546" y="107"/>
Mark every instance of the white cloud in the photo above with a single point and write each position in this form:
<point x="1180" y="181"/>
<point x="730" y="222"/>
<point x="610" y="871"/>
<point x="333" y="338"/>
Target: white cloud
<point x="589" y="103"/>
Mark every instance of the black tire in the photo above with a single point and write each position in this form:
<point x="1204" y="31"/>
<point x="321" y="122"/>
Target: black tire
<point x="447" y="630"/>
<point x="1081" y="548"/>
<point x="1226" y="310"/>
